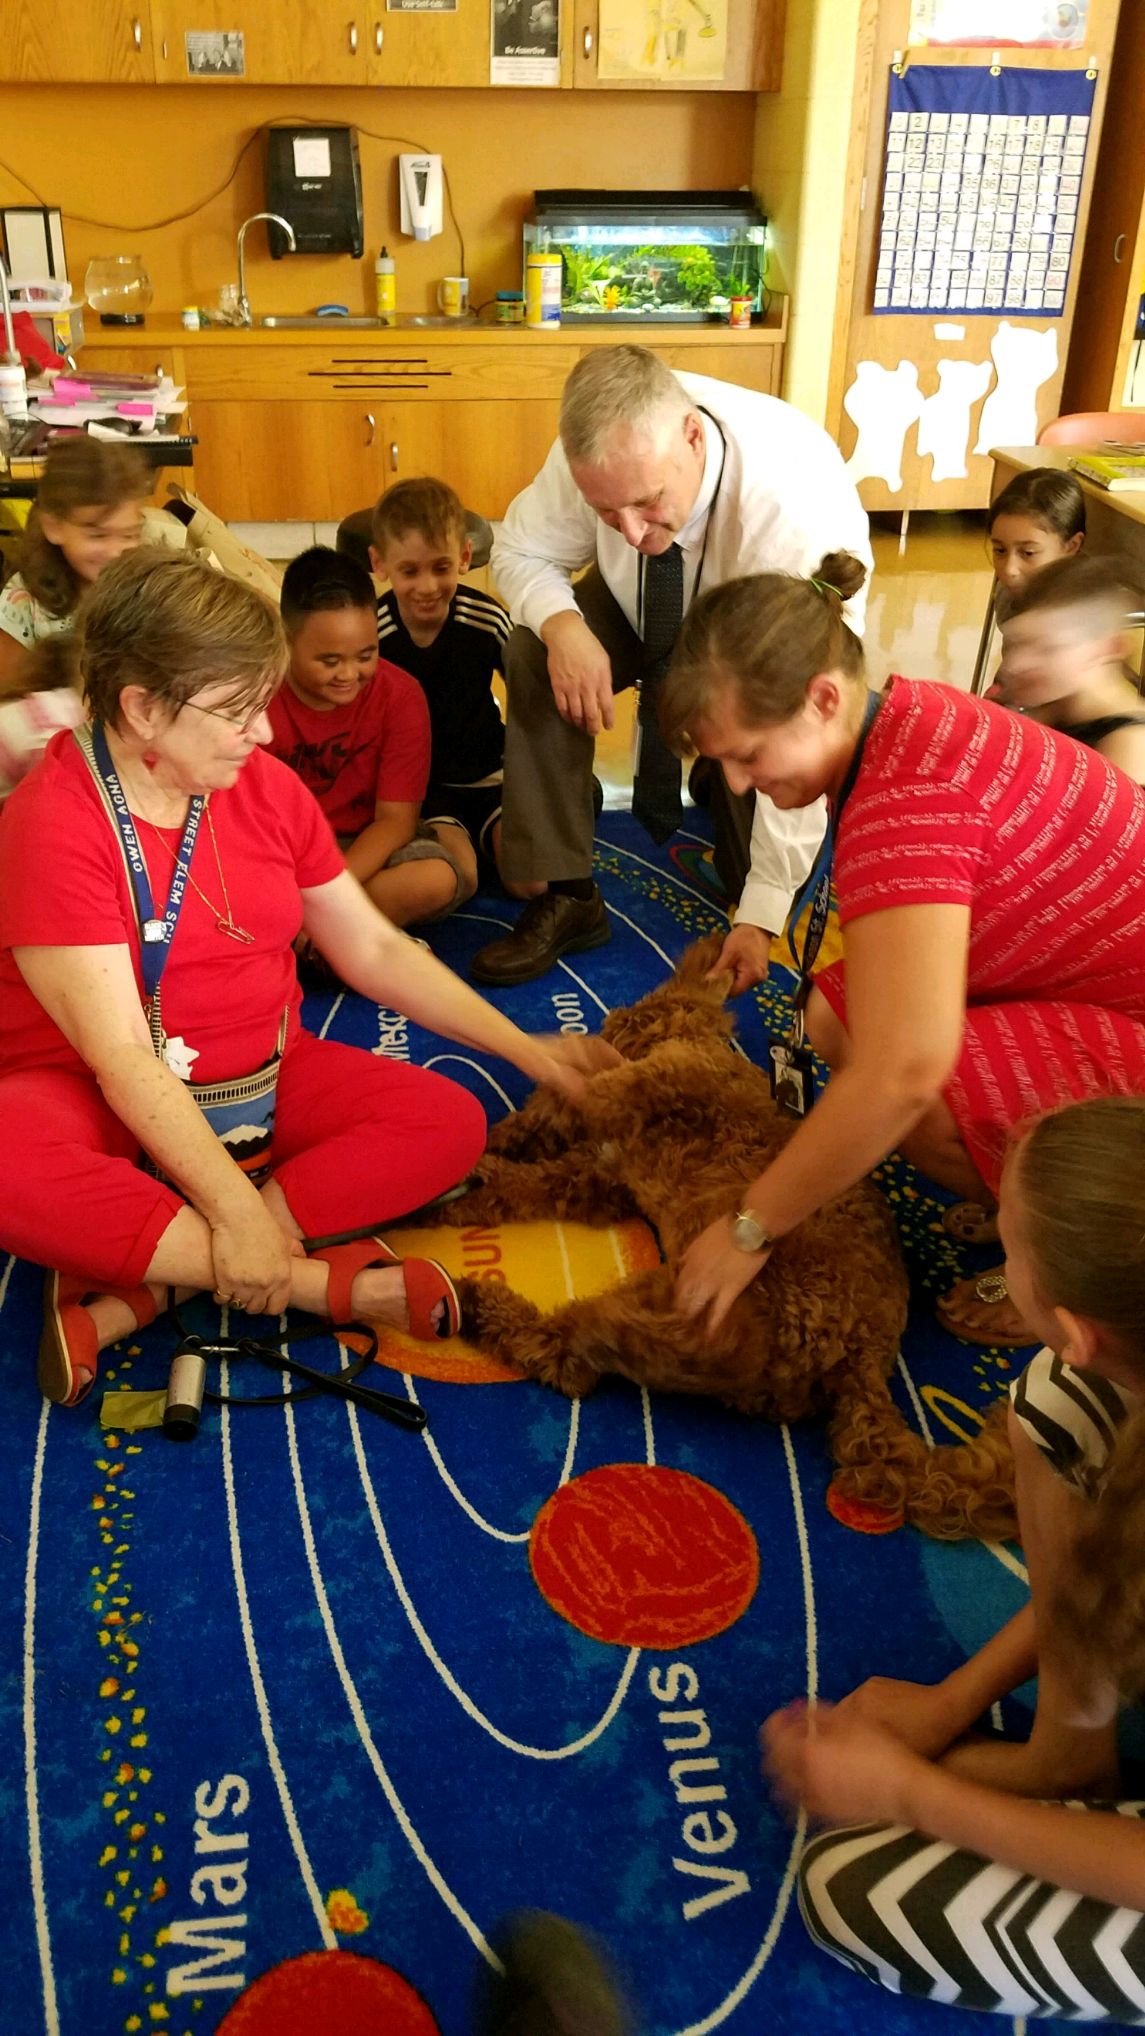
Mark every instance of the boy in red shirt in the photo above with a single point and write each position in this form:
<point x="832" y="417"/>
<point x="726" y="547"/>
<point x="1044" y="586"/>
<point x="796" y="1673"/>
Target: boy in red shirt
<point x="357" y="731"/>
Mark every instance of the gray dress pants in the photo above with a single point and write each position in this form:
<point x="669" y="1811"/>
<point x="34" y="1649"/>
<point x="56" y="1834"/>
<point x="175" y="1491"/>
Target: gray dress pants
<point x="546" y="808"/>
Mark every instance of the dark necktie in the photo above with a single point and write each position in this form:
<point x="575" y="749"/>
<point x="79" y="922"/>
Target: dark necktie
<point x="656" y="799"/>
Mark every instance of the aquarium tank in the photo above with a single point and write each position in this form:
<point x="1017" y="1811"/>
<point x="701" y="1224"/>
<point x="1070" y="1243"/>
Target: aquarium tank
<point x="652" y="257"/>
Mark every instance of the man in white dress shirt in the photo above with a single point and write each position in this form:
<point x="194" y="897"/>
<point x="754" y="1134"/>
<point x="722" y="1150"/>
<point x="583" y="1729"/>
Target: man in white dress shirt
<point x="648" y="463"/>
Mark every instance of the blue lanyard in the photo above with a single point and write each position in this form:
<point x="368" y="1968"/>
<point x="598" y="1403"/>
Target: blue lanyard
<point x="817" y="886"/>
<point x="155" y="934"/>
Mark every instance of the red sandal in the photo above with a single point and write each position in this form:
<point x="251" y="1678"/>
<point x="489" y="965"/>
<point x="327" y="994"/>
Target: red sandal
<point x="427" y="1285"/>
<point x="69" y="1350"/>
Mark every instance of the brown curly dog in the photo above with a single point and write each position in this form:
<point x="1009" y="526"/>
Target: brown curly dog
<point x="673" y="1135"/>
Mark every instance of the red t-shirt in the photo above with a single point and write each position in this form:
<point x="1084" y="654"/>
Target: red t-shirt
<point x="959" y="801"/>
<point x="354" y="758"/>
<point x="64" y="883"/>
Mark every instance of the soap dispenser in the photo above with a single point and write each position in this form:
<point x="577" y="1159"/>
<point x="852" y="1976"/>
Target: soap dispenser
<point x="385" y="286"/>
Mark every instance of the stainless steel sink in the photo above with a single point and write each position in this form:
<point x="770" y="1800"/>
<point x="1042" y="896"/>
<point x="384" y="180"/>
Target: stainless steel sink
<point x="310" y="322"/>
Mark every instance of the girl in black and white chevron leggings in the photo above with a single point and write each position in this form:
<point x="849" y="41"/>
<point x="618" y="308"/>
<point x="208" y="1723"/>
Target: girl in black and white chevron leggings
<point x="1011" y="1877"/>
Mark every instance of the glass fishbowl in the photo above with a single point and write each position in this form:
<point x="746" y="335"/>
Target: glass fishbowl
<point x="651" y="257"/>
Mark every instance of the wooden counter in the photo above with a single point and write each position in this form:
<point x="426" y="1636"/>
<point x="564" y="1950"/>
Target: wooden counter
<point x="306" y="425"/>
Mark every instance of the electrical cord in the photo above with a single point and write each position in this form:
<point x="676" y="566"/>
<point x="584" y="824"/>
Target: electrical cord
<point x="189" y="211"/>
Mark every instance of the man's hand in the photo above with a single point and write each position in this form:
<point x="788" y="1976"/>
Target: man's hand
<point x="579" y="672"/>
<point x="746" y="952"/>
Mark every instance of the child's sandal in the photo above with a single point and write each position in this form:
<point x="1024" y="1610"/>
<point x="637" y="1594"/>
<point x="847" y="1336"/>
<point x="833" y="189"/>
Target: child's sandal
<point x="427" y="1284"/>
<point x="69" y="1348"/>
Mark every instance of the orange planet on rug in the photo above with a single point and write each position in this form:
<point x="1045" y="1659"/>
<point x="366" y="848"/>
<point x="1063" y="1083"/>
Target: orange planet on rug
<point x="548" y="1262"/>
<point x="644" y="1556"/>
<point x="329" y="1993"/>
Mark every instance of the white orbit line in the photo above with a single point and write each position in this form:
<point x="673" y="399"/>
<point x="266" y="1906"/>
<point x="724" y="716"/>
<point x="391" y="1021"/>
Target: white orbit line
<point x="329" y="1018"/>
<point x="997" y="1549"/>
<point x="447" y="1479"/>
<point x="748" y="1979"/>
<point x="466" y="1702"/>
<point x="464" y="1061"/>
<point x="31" y="1793"/>
<point x="328" y="1936"/>
<point x="361" y="1724"/>
<point x="647" y="937"/>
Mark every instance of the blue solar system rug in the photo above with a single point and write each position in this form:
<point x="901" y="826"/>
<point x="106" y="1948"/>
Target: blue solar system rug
<point x="294" y="1713"/>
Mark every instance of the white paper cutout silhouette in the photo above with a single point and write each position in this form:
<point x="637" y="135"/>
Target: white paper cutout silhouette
<point x="1024" y="360"/>
<point x="944" y="426"/>
<point x="882" y="403"/>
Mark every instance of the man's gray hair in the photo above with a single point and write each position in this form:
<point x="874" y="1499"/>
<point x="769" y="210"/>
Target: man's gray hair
<point x="614" y="386"/>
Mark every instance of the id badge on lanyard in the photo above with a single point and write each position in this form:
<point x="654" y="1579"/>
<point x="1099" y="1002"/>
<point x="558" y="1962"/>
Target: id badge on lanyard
<point x="791" y="1064"/>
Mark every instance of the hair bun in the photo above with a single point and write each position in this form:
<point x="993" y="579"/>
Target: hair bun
<point x="842" y="571"/>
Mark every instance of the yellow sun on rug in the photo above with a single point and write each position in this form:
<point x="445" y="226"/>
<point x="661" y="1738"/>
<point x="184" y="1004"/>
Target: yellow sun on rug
<point x="547" y="1262"/>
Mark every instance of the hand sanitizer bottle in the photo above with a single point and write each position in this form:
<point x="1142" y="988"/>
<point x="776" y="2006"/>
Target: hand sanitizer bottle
<point x="385" y="286"/>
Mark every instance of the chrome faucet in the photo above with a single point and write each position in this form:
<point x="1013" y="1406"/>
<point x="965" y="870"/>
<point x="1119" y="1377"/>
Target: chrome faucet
<point x="278" y="220"/>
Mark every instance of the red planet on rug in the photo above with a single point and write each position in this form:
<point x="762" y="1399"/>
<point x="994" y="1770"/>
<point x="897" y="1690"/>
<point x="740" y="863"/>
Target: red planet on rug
<point x="329" y="1993"/>
<point x="644" y="1556"/>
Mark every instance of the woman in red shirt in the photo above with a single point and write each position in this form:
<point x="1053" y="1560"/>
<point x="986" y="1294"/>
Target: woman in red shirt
<point x="990" y="877"/>
<point x="155" y="869"/>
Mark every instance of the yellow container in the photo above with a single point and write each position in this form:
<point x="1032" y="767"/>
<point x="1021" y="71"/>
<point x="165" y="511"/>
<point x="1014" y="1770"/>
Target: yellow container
<point x="542" y="289"/>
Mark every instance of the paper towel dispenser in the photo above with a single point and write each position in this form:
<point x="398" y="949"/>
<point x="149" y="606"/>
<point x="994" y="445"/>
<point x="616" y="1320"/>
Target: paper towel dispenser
<point x="313" y="178"/>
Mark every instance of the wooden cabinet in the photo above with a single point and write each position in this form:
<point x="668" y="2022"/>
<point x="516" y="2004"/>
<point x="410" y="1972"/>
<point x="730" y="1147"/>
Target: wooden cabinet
<point x="1113" y="267"/>
<point x="60" y="42"/>
<point x="292" y="426"/>
<point x="285" y="42"/>
<point x="754" y="48"/>
<point x="432" y="47"/>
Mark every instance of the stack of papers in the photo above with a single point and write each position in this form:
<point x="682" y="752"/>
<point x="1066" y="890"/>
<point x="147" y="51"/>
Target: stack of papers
<point x="137" y="402"/>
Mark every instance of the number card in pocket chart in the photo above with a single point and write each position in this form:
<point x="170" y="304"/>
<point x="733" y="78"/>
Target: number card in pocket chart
<point x="981" y="190"/>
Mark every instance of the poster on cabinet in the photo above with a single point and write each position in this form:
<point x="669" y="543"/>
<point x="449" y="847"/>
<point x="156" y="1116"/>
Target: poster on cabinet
<point x="999" y="24"/>
<point x="525" y="42"/>
<point x="668" y="41"/>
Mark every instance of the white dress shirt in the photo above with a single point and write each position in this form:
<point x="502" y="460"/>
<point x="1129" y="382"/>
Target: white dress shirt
<point x="782" y="500"/>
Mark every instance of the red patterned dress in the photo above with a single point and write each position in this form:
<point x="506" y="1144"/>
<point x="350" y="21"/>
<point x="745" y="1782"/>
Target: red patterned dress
<point x="961" y="802"/>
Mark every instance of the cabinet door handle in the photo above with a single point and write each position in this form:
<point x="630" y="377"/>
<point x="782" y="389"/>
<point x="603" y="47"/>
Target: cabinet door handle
<point x="353" y="38"/>
<point x="1119" y="247"/>
<point x="588" y="42"/>
<point x="370" y="422"/>
<point x="379" y="38"/>
<point x="137" y="34"/>
<point x="393" y="455"/>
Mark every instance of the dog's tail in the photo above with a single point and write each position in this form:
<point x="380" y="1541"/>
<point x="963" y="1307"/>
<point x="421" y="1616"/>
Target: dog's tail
<point x="954" y="1492"/>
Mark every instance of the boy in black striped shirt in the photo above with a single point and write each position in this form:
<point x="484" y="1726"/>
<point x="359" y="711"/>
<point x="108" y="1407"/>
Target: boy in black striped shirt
<point x="451" y="639"/>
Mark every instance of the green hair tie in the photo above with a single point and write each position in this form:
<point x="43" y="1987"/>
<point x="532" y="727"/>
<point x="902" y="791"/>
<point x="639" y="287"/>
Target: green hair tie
<point x="825" y="587"/>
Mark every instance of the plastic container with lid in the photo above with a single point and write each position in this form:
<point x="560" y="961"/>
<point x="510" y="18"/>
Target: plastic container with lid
<point x="542" y="288"/>
<point x="385" y="285"/>
<point x="510" y="307"/>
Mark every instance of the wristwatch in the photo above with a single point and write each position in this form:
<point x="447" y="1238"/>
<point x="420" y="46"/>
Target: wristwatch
<point x="748" y="1233"/>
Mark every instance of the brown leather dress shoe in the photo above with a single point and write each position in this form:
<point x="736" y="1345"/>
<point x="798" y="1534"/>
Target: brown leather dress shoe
<point x="549" y="926"/>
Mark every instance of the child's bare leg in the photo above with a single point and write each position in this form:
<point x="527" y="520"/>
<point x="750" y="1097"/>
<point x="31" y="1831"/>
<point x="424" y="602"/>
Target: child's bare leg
<point x="455" y="840"/>
<point x="1073" y="1745"/>
<point x="414" y="890"/>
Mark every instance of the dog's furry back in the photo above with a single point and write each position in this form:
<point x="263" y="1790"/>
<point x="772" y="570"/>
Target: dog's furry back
<point x="674" y="1134"/>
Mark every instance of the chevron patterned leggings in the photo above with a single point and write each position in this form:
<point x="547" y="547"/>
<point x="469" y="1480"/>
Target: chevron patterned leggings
<point x="926" y="1919"/>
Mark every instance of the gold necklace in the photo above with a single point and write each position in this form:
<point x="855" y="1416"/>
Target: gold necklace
<point x="224" y="920"/>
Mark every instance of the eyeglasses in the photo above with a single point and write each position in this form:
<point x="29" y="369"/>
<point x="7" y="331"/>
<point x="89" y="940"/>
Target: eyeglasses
<point x="240" y="721"/>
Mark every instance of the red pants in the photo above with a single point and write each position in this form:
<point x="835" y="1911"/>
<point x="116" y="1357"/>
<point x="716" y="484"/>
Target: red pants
<point x="357" y="1140"/>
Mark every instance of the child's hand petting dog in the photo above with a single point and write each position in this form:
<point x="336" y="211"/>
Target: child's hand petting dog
<point x="713" y="1274"/>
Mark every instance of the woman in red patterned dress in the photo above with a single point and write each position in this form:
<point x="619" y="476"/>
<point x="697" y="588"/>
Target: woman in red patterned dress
<point x="990" y="877"/>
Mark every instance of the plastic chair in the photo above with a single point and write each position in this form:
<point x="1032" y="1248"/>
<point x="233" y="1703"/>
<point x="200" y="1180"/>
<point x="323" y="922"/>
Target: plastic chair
<point x="1095" y="427"/>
